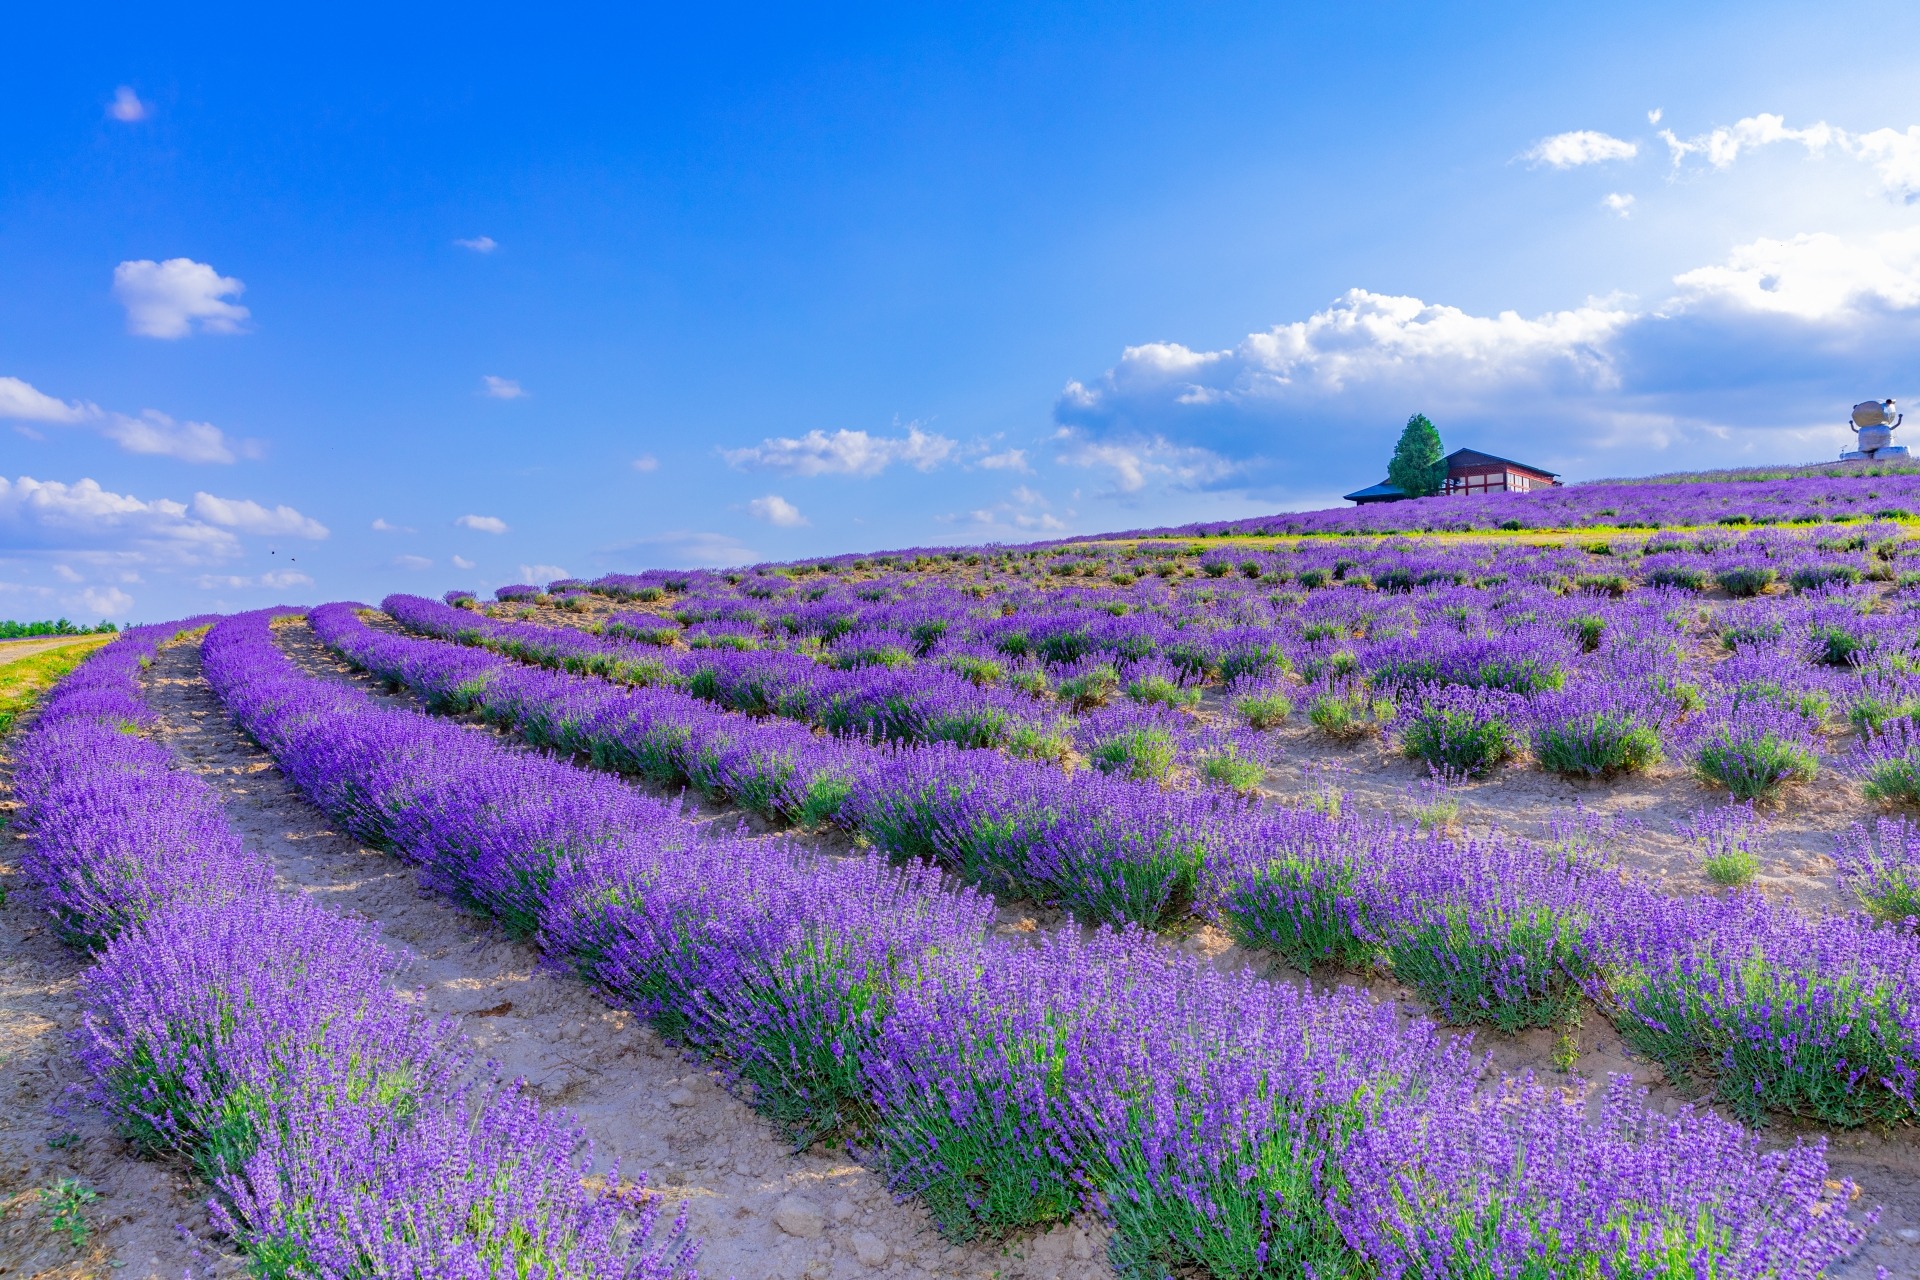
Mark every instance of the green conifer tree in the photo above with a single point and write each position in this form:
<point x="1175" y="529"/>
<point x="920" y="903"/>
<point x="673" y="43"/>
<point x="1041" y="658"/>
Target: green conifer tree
<point x="1417" y="466"/>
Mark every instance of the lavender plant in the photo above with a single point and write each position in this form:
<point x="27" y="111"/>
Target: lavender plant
<point x="1880" y="864"/>
<point x="1462" y="729"/>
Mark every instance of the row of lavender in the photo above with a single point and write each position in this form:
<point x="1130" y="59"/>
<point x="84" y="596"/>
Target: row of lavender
<point x="1501" y="931"/>
<point x="1217" y="1121"/>
<point x="258" y="1036"/>
<point x="1732" y="558"/>
<point x="1822" y="495"/>
<point x="1590" y="685"/>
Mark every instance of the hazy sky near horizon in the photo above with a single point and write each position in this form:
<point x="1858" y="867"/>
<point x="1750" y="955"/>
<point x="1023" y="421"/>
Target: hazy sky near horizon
<point x="414" y="297"/>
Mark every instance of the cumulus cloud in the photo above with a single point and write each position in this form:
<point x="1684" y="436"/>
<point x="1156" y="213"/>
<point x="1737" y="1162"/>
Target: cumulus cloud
<point x="483" y="524"/>
<point x="1816" y="276"/>
<point x="646" y="463"/>
<point x="248" y="516"/>
<point x="1893" y="154"/>
<point x="1745" y="358"/>
<point x="461" y="562"/>
<point x="126" y="106"/>
<point x="1619" y="204"/>
<point x="1363" y="339"/>
<point x="410" y="561"/>
<point x="501" y="388"/>
<point x="382" y="525"/>
<point x="174" y="298"/>
<point x="152" y="432"/>
<point x="776" y="510"/>
<point x="1582" y="146"/>
<point x="479" y="244"/>
<point x="50" y="516"/>
<point x="542" y="573"/>
<point x="24" y="403"/>
<point x="847" y="453"/>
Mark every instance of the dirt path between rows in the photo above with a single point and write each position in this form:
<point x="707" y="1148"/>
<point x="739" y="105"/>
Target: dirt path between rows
<point x="765" y="1213"/>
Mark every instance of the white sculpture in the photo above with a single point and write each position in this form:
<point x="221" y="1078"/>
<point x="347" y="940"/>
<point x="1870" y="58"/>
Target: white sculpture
<point x="1873" y="423"/>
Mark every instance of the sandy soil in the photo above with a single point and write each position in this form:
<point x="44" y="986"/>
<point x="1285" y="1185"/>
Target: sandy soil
<point x="763" y="1211"/>
<point x="150" y="1219"/>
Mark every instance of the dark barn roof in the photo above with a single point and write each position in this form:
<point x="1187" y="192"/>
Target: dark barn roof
<point x="1382" y="492"/>
<point x="1475" y="458"/>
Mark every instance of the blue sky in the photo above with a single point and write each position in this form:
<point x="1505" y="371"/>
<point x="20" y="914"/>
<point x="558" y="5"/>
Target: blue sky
<point x="294" y="309"/>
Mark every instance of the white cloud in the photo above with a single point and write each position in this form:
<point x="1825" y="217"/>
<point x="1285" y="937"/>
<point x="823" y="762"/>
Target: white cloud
<point x="501" y="388"/>
<point x="776" y="510"/>
<point x="1653" y="116"/>
<point x="1582" y="146"/>
<point x="249" y="516"/>
<point x="382" y="525"/>
<point x="1134" y="460"/>
<point x="171" y="299"/>
<point x="106" y="601"/>
<point x="1893" y="155"/>
<point x="1721" y="147"/>
<point x="849" y="453"/>
<point x="1010" y="460"/>
<point x="1620" y="204"/>
<point x="23" y="402"/>
<point x="1895" y="158"/>
<point x="126" y="106"/>
<point x="479" y="244"/>
<point x="82" y="517"/>
<point x="1366" y="339"/>
<point x="645" y="463"/>
<point x="94" y="601"/>
<point x="1749" y="356"/>
<point x="1819" y="276"/>
<point x="412" y="562"/>
<point x="483" y="524"/>
<point x="461" y="562"/>
<point x="542" y="573"/>
<point x="153" y="432"/>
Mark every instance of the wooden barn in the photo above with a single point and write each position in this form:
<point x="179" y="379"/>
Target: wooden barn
<point x="1470" y="471"/>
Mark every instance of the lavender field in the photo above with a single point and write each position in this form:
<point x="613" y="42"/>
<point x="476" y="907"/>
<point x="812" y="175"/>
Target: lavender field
<point x="1521" y="886"/>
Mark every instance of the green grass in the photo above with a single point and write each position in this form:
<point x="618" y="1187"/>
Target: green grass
<point x="24" y="679"/>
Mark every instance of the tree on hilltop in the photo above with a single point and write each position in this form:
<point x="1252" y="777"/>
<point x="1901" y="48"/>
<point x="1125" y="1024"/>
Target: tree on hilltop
<point x="1417" y="468"/>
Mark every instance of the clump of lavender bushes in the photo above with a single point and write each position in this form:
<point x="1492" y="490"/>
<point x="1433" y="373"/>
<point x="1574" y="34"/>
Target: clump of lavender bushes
<point x="1460" y="729"/>
<point x="1595" y="731"/>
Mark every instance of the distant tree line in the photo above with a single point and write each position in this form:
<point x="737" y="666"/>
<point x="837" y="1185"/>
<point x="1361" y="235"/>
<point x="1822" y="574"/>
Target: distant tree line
<point x="11" y="630"/>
